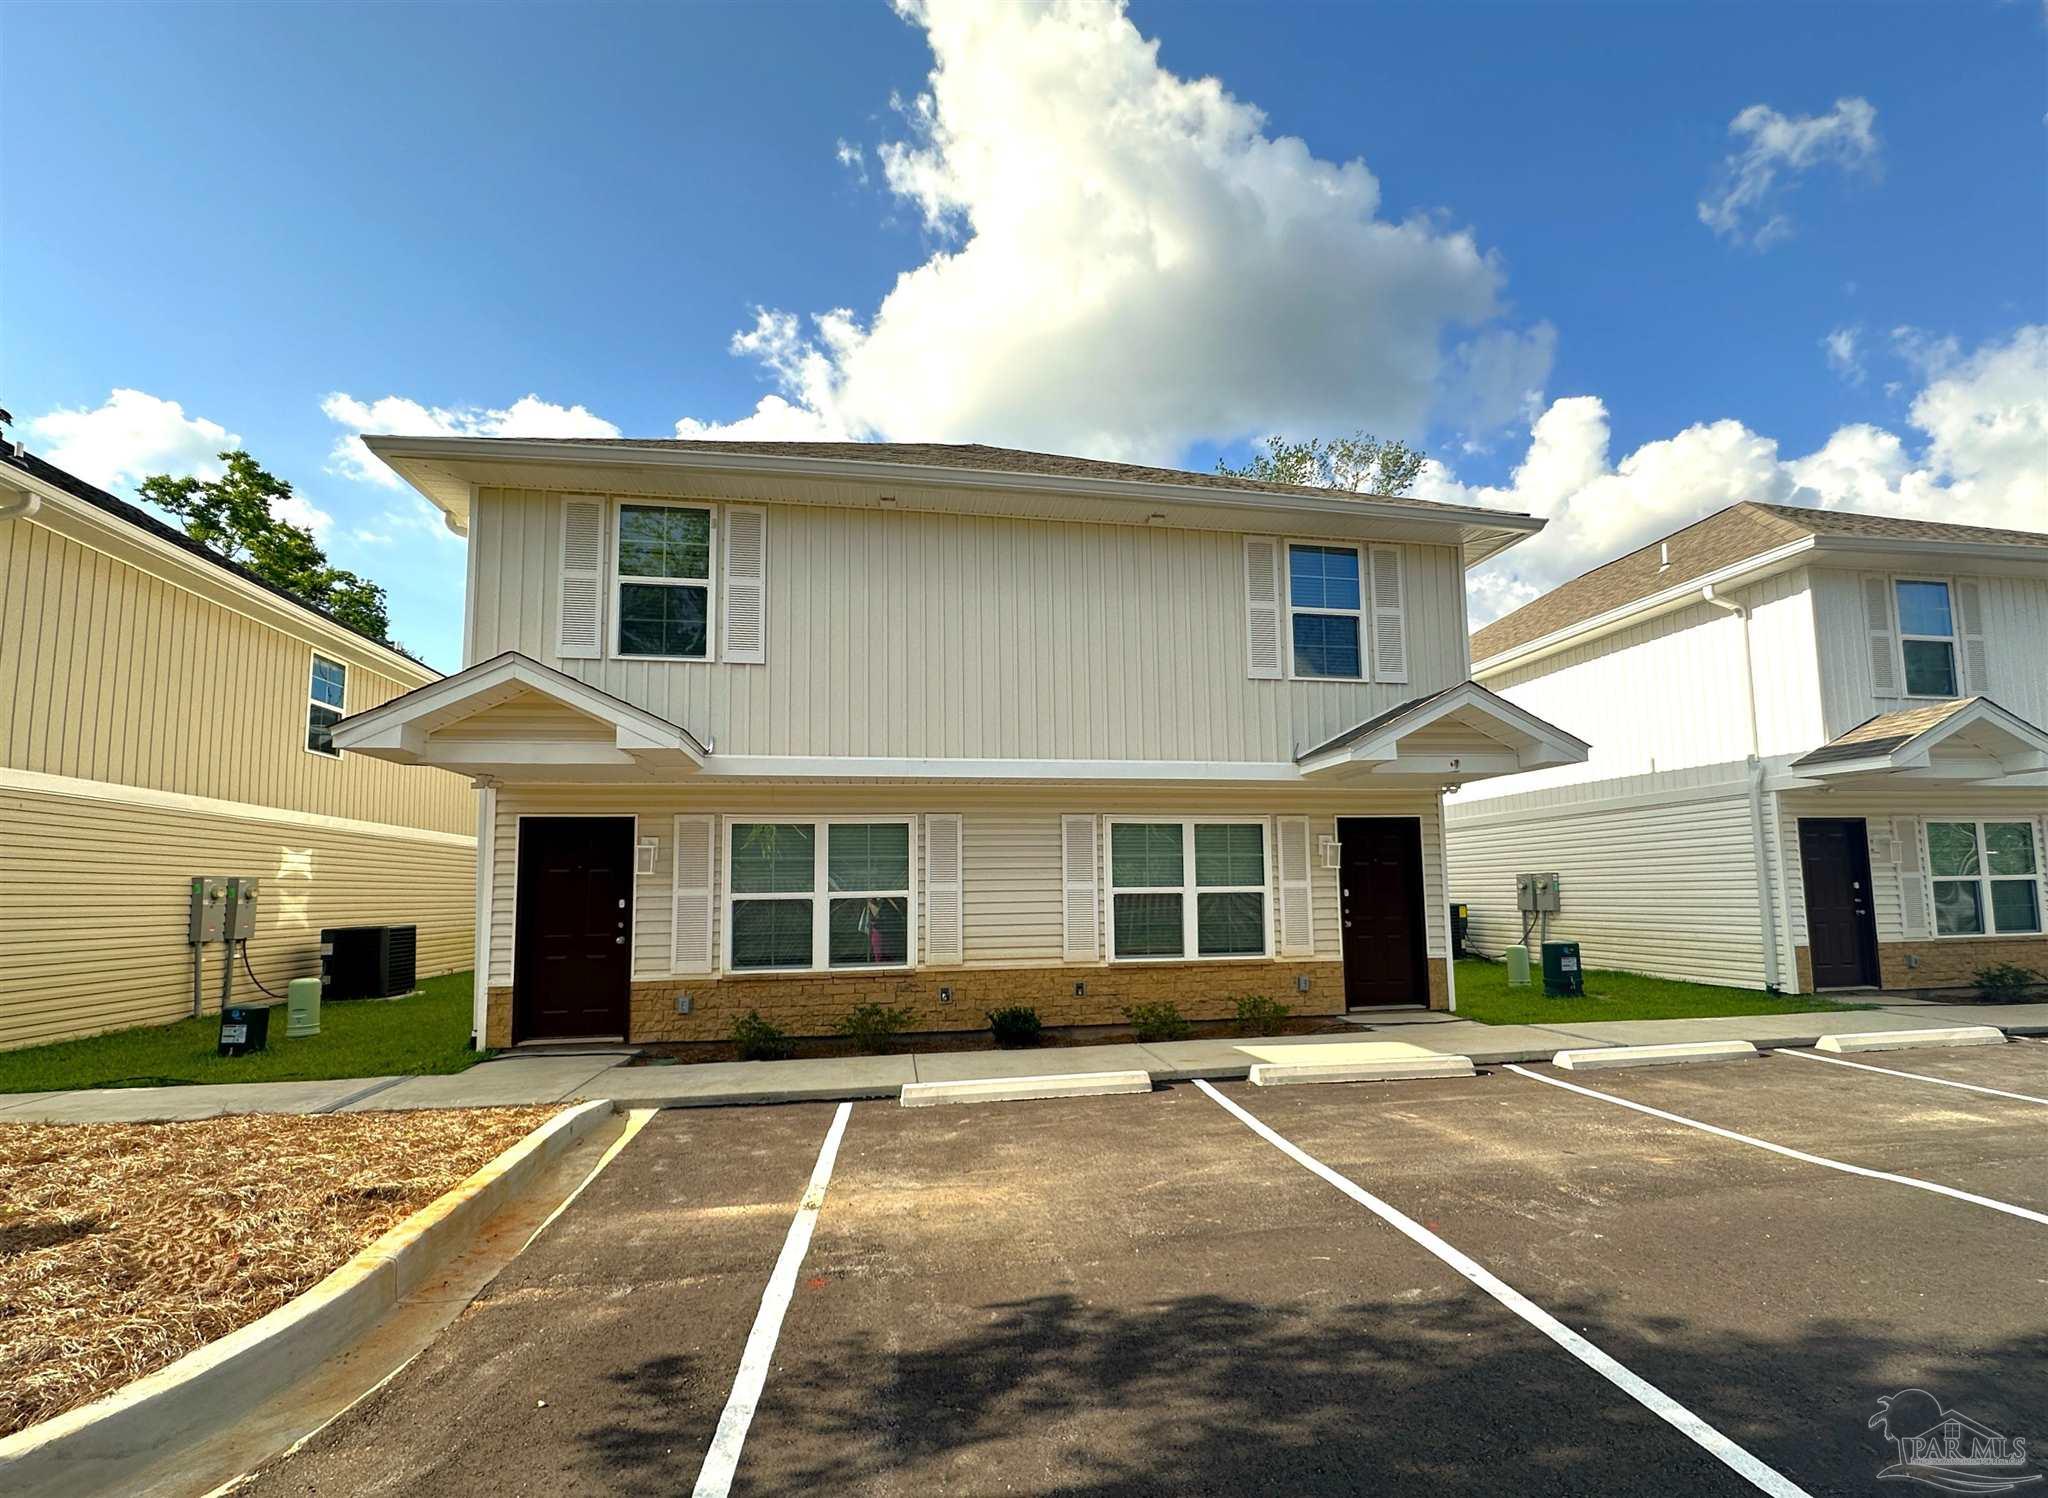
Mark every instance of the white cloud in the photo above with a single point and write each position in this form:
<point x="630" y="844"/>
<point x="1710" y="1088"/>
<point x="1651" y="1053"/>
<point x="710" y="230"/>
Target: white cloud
<point x="1125" y="262"/>
<point x="396" y="415"/>
<point x="1744" y="203"/>
<point x="1982" y="459"/>
<point x="853" y="158"/>
<point x="128" y="437"/>
<point x="1843" y="355"/>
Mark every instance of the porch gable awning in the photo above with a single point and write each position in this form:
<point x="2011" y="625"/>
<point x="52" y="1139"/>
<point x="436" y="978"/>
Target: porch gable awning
<point x="1458" y="734"/>
<point x="511" y="717"/>
<point x="1967" y="739"/>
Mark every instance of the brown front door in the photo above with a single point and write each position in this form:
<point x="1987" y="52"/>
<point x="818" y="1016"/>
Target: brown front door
<point x="1380" y="883"/>
<point x="572" y="959"/>
<point x="1841" y="925"/>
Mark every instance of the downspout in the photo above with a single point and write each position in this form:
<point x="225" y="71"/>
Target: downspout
<point x="21" y="506"/>
<point x="1766" y="911"/>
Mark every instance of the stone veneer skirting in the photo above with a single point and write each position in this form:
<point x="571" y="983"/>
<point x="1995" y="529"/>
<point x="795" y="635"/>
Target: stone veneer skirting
<point x="1950" y="962"/>
<point x="814" y="1003"/>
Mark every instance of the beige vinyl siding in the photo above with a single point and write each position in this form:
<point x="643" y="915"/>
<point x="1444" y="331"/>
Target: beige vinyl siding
<point x="1011" y="839"/>
<point x="962" y="636"/>
<point x="111" y="673"/>
<point x="93" y="902"/>
<point x="1657" y="872"/>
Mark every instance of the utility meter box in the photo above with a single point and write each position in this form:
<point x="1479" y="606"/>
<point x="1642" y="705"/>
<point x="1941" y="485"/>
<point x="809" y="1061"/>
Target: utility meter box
<point x="1562" y="977"/>
<point x="1536" y="893"/>
<point x="241" y="916"/>
<point x="209" y="908"/>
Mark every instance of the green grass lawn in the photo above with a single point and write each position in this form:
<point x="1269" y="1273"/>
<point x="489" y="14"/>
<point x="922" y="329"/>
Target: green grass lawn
<point x="1484" y="995"/>
<point x="424" y="1035"/>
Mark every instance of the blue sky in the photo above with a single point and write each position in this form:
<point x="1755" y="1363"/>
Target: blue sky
<point x="1538" y="272"/>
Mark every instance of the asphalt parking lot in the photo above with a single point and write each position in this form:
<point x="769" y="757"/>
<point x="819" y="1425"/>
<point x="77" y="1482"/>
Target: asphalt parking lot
<point x="1146" y="1295"/>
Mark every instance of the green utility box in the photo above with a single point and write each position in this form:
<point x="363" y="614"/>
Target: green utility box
<point x="1517" y="959"/>
<point x="1562" y="976"/>
<point x="302" y="1007"/>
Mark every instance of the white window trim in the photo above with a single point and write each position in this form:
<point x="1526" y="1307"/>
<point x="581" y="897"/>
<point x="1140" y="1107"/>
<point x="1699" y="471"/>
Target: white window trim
<point x="1953" y="639"/>
<point x="1983" y="878"/>
<point x="820" y="895"/>
<point x="1357" y="549"/>
<point x="1189" y="926"/>
<point x="306" y="723"/>
<point x="618" y="579"/>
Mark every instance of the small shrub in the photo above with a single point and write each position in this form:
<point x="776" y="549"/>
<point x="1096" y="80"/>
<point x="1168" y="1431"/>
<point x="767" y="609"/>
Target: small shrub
<point x="759" y="1040"/>
<point x="2003" y="982"/>
<point x="1259" y="1015"/>
<point x="872" y="1027"/>
<point x="1158" y="1022"/>
<point x="1015" y="1027"/>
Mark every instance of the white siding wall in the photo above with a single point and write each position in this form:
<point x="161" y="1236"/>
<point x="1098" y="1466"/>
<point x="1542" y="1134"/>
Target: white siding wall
<point x="2015" y="636"/>
<point x="1669" y="694"/>
<point x="1657" y="872"/>
<point x="1012" y="874"/>
<point x="960" y="636"/>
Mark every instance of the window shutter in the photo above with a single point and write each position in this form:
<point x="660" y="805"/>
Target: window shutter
<point x="1297" y="910"/>
<point x="690" y="934"/>
<point x="942" y="909"/>
<point x="746" y="585"/>
<point x="1081" y="938"/>
<point x="579" y="604"/>
<point x="1976" y="660"/>
<point x="1912" y="881"/>
<point x="1884" y="644"/>
<point x="1262" y="606"/>
<point x="1389" y="616"/>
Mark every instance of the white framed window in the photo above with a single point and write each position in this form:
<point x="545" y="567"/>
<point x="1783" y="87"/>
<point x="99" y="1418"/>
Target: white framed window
<point x="326" y="700"/>
<point x="663" y="595"/>
<point x="826" y="894"/>
<point x="1188" y="889"/>
<point x="1927" y="636"/>
<point x="1325" y="610"/>
<point x="1986" y="878"/>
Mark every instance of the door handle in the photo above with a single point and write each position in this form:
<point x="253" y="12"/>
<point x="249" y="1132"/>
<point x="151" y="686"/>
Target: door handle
<point x="618" y="941"/>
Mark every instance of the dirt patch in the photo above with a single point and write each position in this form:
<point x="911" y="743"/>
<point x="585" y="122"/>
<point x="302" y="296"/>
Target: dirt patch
<point x="813" y="1048"/>
<point x="125" y="1246"/>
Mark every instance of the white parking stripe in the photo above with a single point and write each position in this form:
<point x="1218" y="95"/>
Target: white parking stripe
<point x="715" y="1479"/>
<point x="1914" y="1076"/>
<point x="1785" y="1149"/>
<point x="1765" y="1478"/>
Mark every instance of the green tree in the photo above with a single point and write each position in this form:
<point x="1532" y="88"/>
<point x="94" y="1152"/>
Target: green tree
<point x="1360" y="464"/>
<point x="238" y="516"/>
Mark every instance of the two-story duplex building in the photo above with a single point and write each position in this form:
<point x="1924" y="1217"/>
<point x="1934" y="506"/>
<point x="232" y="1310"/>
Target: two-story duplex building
<point x="793" y="727"/>
<point x="165" y="715"/>
<point x="1818" y="759"/>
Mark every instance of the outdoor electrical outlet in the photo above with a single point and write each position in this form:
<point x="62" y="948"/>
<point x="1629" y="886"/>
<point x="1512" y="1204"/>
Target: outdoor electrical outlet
<point x="1080" y="990"/>
<point x="945" y="996"/>
<point x="1301" y="984"/>
<point x="682" y="1003"/>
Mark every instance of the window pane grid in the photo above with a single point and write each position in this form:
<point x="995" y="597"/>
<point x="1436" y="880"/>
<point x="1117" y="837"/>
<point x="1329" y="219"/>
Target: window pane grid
<point x="1985" y="878"/>
<point x="326" y="692"/>
<point x="789" y="903"/>
<point x="1927" y="634"/>
<point x="1326" y="614"/>
<point x="1187" y="889"/>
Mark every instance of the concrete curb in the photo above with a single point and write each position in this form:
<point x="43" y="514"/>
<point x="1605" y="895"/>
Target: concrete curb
<point x="1404" y="1069"/>
<point x="95" y="1448"/>
<point x="1020" y="1089"/>
<point x="1912" y="1040"/>
<point x="1655" y="1055"/>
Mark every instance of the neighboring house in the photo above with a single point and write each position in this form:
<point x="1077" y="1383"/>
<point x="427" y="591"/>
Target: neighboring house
<point x="793" y="727"/>
<point x="1818" y="759"/>
<point x="164" y="714"/>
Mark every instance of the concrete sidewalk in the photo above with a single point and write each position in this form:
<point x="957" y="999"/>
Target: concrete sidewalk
<point x="571" y="1077"/>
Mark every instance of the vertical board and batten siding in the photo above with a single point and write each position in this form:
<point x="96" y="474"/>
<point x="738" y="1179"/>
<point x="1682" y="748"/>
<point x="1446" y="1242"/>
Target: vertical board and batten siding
<point x="898" y="634"/>
<point x="1011" y="868"/>
<point x="93" y="904"/>
<point x="2015" y="629"/>
<point x="110" y="673"/>
<point x="1669" y="693"/>
<point x="1657" y="873"/>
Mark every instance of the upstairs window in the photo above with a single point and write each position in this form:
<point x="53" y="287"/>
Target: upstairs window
<point x="1927" y="638"/>
<point x="662" y="598"/>
<point x="325" y="695"/>
<point x="1326" y="620"/>
<point x="1985" y="878"/>
<point x="1187" y="889"/>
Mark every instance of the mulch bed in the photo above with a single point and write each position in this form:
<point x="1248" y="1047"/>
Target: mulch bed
<point x="125" y="1246"/>
<point x="812" y="1048"/>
